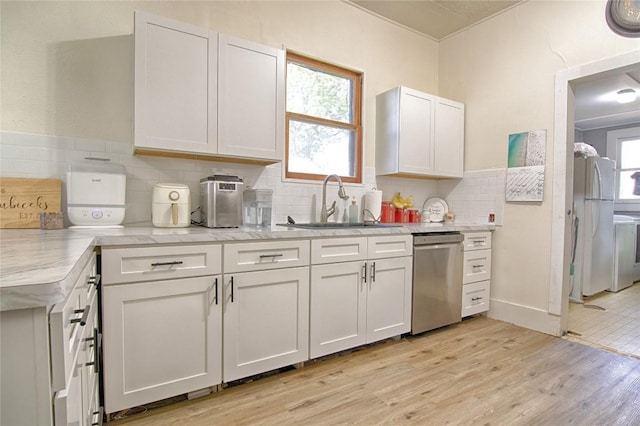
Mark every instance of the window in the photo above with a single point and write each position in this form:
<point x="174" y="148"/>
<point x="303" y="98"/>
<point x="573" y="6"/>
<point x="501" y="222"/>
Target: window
<point x="323" y="121"/>
<point x="624" y="147"/>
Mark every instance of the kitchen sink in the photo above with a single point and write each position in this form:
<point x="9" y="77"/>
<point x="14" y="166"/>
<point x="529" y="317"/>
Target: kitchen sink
<point x="335" y="225"/>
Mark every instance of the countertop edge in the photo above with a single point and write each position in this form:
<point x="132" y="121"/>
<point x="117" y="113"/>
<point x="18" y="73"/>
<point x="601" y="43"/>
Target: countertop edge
<point x="28" y="282"/>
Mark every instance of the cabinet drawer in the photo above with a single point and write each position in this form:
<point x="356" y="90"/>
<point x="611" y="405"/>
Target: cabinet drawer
<point x="477" y="240"/>
<point x="331" y="250"/>
<point x="257" y="256"/>
<point x="475" y="298"/>
<point x="135" y="264"/>
<point x="477" y="266"/>
<point x="68" y="322"/>
<point x="390" y="246"/>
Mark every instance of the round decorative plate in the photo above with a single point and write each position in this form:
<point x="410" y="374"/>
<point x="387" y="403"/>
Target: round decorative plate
<point x="436" y="208"/>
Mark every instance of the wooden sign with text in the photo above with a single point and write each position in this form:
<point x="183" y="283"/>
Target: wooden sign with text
<point x="23" y="199"/>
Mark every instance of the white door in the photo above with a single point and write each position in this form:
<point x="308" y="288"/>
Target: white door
<point x="338" y="311"/>
<point x="175" y="85"/>
<point x="416" y="132"/>
<point x="266" y="321"/>
<point x="251" y="99"/>
<point x="389" y="298"/>
<point x="448" y="138"/>
<point x="161" y="339"/>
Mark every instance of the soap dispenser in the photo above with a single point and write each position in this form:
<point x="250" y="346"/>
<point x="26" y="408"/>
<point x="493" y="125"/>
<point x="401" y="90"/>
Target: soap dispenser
<point x="353" y="211"/>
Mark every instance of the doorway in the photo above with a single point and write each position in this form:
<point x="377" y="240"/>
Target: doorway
<point x="560" y="283"/>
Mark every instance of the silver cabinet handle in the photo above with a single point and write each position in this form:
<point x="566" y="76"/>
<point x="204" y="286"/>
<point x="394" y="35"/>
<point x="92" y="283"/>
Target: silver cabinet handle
<point x="364" y="272"/>
<point x="274" y="255"/>
<point x="97" y="348"/>
<point x="477" y="266"/>
<point x="100" y="414"/>
<point x="85" y="315"/>
<point x="95" y="280"/>
<point x="373" y="272"/>
<point x="175" y="262"/>
<point x="478" y="242"/>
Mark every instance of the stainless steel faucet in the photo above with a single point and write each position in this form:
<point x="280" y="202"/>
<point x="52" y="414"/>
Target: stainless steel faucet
<point x="324" y="213"/>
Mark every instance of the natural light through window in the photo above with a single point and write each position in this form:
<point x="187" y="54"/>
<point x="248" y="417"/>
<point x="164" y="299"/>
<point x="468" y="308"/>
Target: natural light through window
<point x="324" y="132"/>
<point x="629" y="170"/>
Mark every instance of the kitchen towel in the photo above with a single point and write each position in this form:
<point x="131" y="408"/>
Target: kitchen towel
<point x="372" y="205"/>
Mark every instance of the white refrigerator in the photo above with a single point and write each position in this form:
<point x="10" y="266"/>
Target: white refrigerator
<point x="593" y="197"/>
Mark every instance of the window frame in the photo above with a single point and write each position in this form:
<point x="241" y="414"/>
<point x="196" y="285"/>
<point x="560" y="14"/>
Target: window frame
<point x="614" y="139"/>
<point x="355" y="126"/>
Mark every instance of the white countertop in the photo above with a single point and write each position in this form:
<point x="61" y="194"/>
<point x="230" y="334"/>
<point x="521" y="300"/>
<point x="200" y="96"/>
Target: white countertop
<point x="39" y="268"/>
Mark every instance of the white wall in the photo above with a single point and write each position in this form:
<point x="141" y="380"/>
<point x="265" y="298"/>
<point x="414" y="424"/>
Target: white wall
<point x="67" y="86"/>
<point x="504" y="71"/>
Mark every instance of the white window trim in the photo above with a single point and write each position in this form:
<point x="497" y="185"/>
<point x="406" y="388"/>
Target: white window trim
<point x="613" y="142"/>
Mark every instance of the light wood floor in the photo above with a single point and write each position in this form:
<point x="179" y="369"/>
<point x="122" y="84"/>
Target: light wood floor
<point x="480" y="371"/>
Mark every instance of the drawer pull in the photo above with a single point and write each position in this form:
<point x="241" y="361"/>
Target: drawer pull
<point x="85" y="315"/>
<point x="95" y="280"/>
<point x="474" y="299"/>
<point x="477" y="266"/>
<point x="100" y="414"/>
<point x="478" y="242"/>
<point x="274" y="255"/>
<point x="97" y="347"/>
<point x="175" y="262"/>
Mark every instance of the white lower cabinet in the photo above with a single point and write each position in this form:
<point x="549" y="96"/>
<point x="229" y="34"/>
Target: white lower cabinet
<point x="266" y="321"/>
<point x="48" y="372"/>
<point x="162" y="337"/>
<point x="361" y="301"/>
<point x="476" y="288"/>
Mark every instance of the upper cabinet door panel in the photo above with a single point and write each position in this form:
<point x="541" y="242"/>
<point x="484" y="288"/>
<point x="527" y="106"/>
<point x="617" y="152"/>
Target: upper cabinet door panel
<point x="416" y="132"/>
<point x="175" y="85"/>
<point x="250" y="99"/>
<point x="449" y="138"/>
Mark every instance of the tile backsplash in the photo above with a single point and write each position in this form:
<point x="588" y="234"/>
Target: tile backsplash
<point x="472" y="199"/>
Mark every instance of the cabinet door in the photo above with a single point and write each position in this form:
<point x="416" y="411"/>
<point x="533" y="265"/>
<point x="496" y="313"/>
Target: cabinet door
<point x="448" y="138"/>
<point x="266" y="321"/>
<point x="251" y="99"/>
<point x="338" y="308"/>
<point x="175" y="85"/>
<point x="388" y="298"/>
<point x="161" y="339"/>
<point x="416" y="132"/>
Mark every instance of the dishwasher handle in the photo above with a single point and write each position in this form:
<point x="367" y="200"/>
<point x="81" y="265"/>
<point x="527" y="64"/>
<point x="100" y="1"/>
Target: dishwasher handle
<point x="429" y="239"/>
<point x="436" y="247"/>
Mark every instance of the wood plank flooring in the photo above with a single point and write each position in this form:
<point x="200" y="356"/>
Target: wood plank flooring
<point x="480" y="371"/>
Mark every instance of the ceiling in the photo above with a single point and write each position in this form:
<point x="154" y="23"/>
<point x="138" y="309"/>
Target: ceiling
<point x="436" y="19"/>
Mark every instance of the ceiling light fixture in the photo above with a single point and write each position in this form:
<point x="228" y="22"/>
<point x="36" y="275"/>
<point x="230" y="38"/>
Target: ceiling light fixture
<point x="626" y="96"/>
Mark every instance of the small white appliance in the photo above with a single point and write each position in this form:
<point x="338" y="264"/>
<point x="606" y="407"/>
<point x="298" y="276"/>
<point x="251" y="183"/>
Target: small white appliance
<point x="96" y="192"/>
<point x="171" y="205"/>
<point x="593" y="194"/>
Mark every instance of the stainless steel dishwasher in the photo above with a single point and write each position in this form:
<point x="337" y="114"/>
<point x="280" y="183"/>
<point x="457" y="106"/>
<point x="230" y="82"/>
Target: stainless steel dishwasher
<point x="437" y="280"/>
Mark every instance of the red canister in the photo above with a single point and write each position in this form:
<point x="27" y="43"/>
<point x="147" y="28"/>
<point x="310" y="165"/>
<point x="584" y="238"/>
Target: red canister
<point x="387" y="212"/>
<point x="402" y="215"/>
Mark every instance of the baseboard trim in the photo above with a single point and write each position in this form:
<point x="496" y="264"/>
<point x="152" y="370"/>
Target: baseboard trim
<point x="525" y="316"/>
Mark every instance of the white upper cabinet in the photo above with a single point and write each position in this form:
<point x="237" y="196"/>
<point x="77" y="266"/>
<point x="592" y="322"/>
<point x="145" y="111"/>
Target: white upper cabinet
<point x="175" y="90"/>
<point x="206" y="95"/>
<point x="251" y="99"/>
<point x="418" y="134"/>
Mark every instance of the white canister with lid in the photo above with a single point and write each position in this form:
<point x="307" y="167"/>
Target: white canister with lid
<point x="171" y="205"/>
